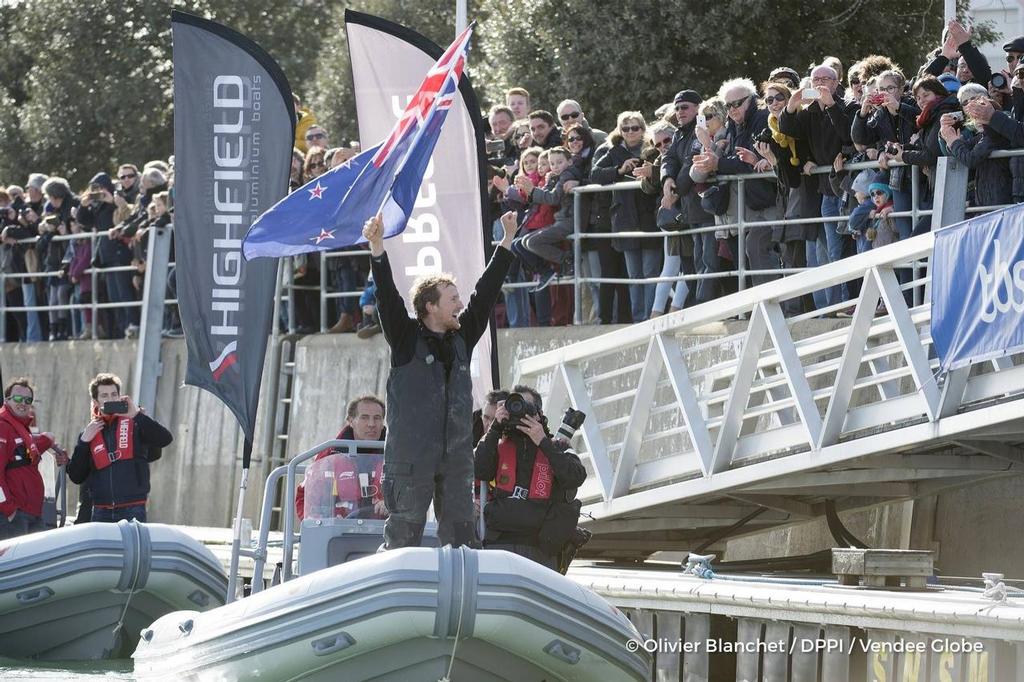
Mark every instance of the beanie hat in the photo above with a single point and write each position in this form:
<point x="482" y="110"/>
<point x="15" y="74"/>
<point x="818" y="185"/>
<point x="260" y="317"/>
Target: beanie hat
<point x="791" y="74"/>
<point x="104" y="181"/>
<point x="880" y="187"/>
<point x="691" y="96"/>
<point x="951" y="82"/>
<point x="36" y="180"/>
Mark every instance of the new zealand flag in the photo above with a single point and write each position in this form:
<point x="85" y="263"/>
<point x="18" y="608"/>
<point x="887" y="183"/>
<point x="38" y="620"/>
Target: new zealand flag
<point x="329" y="212"/>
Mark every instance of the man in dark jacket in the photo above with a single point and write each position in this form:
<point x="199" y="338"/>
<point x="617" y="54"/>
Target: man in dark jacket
<point x="958" y="51"/>
<point x="675" y="179"/>
<point x="429" y="450"/>
<point x="533" y="513"/>
<point x="96" y="214"/>
<point x="825" y="123"/>
<point x="113" y="453"/>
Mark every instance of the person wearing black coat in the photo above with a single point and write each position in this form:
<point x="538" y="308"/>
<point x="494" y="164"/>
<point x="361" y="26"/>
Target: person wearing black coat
<point x="613" y="304"/>
<point x="761" y="200"/>
<point x="535" y="481"/>
<point x="824" y="122"/>
<point x="57" y="217"/>
<point x="799" y="192"/>
<point x="96" y="214"/>
<point x="959" y="52"/>
<point x="631" y="210"/>
<point x="675" y="177"/>
<point x="934" y="100"/>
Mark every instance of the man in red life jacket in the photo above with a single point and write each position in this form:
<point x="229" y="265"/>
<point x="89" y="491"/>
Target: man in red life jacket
<point x="113" y="453"/>
<point x="21" y="486"/>
<point x="351" y="484"/>
<point x="533" y="512"/>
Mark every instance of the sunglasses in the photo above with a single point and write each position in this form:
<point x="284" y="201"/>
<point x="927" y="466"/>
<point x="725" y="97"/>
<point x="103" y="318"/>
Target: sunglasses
<point x="22" y="399"/>
<point x="630" y="129"/>
<point x="684" y="107"/>
<point x="315" y="136"/>
<point x="573" y="138"/>
<point x="129" y="176"/>
<point x="1012" y="57"/>
<point x="571" y="114"/>
<point x="736" y="103"/>
<point x="662" y="143"/>
<point x="854" y="81"/>
<point x="768" y="99"/>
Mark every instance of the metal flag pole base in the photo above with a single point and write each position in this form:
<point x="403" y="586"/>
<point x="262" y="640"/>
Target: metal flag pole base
<point x="236" y="535"/>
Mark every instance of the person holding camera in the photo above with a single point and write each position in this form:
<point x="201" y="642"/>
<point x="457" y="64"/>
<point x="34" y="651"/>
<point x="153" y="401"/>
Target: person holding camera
<point x="429" y="451"/>
<point x="21" y="485"/>
<point x="533" y="512"/>
<point x="972" y="143"/>
<point x="819" y="117"/>
<point x="57" y="218"/>
<point x="113" y="453"/>
<point x="96" y="214"/>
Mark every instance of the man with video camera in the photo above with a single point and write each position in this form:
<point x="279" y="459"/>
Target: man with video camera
<point x="535" y="476"/>
<point x="113" y="453"/>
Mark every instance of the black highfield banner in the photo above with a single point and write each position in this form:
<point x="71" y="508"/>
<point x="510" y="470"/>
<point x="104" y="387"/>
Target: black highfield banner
<point x="234" y="128"/>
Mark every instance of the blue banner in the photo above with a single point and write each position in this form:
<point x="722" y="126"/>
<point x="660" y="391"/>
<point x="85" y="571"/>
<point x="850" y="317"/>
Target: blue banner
<point x="978" y="288"/>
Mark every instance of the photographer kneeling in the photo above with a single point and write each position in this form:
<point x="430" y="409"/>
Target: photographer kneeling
<point x="534" y="478"/>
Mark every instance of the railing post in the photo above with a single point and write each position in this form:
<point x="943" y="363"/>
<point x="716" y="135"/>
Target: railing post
<point x="3" y="307"/>
<point x="290" y="286"/>
<point x="950" y="196"/>
<point x="94" y="276"/>
<point x="151" y="322"/>
<point x="948" y="204"/>
<point x="577" y="252"/>
<point x="741" y="248"/>
<point x="323" y="292"/>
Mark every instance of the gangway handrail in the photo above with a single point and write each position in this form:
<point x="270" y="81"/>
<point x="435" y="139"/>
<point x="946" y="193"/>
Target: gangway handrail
<point x="288" y="473"/>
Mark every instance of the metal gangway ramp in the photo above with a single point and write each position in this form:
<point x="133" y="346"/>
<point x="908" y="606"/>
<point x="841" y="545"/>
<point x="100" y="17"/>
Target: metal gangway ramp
<point x="729" y="417"/>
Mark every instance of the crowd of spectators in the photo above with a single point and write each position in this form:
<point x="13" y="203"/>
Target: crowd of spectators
<point x="45" y="265"/>
<point x="787" y="126"/>
<point x="955" y="105"/>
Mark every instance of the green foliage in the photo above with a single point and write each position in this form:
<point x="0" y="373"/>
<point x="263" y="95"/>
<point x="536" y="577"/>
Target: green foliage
<point x="85" y="85"/>
<point x="614" y="57"/>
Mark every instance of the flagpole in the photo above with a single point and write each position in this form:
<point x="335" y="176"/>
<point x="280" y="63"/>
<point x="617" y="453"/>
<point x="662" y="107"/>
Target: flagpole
<point x="236" y="539"/>
<point x="460" y="16"/>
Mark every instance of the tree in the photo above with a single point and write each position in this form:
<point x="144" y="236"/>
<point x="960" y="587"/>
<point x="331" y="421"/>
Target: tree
<point x="331" y="94"/>
<point x="622" y="56"/>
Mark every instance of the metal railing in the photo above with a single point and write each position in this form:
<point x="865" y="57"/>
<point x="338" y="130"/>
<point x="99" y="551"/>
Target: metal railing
<point x="740" y="272"/>
<point x="759" y="408"/>
<point x="94" y="273"/>
<point x="289" y="474"/>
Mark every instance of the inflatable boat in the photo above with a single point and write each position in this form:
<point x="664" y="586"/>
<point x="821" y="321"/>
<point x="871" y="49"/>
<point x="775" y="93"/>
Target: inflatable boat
<point x="410" y="614"/>
<point x="85" y="592"/>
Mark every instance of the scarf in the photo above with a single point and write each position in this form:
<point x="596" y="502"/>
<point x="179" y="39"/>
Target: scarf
<point x="926" y="114"/>
<point x="783" y="140"/>
<point x="21" y="431"/>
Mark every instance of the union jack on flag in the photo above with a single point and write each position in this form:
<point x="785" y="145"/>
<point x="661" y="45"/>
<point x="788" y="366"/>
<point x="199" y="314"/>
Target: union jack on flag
<point x="329" y="211"/>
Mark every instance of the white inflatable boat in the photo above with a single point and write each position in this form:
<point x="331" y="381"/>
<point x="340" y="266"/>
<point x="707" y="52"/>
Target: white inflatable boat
<point x="401" y="616"/>
<point x="64" y="592"/>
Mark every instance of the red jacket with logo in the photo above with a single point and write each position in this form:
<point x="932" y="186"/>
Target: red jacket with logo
<point x="21" y="485"/>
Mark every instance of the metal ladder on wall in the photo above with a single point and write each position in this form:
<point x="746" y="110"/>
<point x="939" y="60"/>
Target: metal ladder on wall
<point x="282" y="396"/>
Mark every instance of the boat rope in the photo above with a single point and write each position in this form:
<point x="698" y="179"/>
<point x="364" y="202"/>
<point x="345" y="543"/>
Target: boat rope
<point x="135" y="578"/>
<point x="458" y="627"/>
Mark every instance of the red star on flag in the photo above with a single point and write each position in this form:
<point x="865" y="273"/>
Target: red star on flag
<point x="323" y="236"/>
<point x="317" y="192"/>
